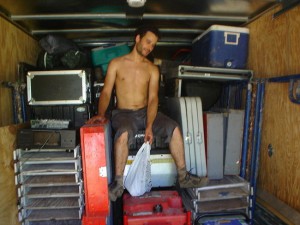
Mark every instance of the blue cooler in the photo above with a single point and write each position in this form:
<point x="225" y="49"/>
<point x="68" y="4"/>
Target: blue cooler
<point x="101" y="56"/>
<point x="221" y="46"/>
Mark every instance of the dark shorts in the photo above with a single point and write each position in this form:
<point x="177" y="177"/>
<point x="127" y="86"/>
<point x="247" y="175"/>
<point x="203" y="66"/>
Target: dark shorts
<point x="133" y="121"/>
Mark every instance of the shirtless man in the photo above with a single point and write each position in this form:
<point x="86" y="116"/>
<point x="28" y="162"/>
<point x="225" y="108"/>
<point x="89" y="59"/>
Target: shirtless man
<point x="136" y="83"/>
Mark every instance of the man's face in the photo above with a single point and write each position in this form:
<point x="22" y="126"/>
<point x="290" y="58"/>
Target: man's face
<point x="146" y="44"/>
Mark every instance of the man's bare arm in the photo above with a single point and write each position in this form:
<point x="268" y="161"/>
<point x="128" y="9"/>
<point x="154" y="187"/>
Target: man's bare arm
<point x="152" y="103"/>
<point x="105" y="94"/>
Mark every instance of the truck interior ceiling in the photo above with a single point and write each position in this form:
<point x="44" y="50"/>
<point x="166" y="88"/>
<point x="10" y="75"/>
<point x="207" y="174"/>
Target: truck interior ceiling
<point x="100" y="23"/>
<point x="228" y="89"/>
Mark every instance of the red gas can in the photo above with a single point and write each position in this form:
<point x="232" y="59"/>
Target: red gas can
<point x="155" y="208"/>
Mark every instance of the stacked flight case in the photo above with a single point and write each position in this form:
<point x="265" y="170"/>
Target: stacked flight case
<point x="48" y="156"/>
<point x="229" y="192"/>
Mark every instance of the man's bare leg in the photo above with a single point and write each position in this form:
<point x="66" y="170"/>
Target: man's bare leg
<point x="121" y="154"/>
<point x="177" y="149"/>
<point x="186" y="180"/>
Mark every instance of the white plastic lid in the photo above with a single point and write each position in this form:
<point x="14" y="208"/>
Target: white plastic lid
<point x="223" y="28"/>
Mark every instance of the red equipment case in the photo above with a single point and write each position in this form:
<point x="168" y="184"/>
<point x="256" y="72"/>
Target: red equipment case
<point x="155" y="208"/>
<point x="96" y="158"/>
<point x="94" y="220"/>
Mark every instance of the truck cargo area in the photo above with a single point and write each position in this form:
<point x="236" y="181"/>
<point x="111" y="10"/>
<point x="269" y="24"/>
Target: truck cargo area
<point x="229" y="77"/>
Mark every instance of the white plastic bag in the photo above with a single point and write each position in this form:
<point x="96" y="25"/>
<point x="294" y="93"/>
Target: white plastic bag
<point x="138" y="179"/>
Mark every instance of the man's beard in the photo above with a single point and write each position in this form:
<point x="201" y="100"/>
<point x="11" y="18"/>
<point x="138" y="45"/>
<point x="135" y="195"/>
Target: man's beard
<point x="139" y="50"/>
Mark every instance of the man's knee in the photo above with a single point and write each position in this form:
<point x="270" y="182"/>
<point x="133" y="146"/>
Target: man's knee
<point x="176" y="132"/>
<point x="123" y="138"/>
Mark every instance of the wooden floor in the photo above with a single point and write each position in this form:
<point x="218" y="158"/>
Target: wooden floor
<point x="264" y="217"/>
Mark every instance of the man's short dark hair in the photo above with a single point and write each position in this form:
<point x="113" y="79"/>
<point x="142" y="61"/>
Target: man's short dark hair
<point x="144" y="29"/>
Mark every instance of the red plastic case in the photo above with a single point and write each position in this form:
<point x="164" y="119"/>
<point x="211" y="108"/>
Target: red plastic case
<point x="155" y="208"/>
<point x="93" y="220"/>
<point x="96" y="150"/>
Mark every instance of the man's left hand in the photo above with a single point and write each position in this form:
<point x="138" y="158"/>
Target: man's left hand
<point x="148" y="135"/>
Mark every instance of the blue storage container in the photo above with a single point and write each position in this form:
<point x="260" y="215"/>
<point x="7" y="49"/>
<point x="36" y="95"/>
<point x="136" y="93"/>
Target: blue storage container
<point x="221" y="46"/>
<point x="226" y="222"/>
<point x="101" y="56"/>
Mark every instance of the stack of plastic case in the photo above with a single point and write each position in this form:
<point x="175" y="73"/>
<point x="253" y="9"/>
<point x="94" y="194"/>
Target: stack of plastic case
<point x="96" y="157"/>
<point x="49" y="186"/>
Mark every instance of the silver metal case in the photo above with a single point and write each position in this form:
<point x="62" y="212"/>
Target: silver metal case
<point x="62" y="87"/>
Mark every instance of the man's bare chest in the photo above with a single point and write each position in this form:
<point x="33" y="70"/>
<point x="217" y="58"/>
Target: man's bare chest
<point x="130" y="76"/>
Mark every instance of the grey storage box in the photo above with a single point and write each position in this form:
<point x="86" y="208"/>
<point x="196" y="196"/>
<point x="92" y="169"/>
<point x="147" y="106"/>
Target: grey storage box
<point x="234" y="139"/>
<point x="62" y="87"/>
<point x="214" y="132"/>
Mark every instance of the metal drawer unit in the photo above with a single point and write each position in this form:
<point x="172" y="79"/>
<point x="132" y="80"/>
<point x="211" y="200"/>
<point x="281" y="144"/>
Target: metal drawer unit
<point x="228" y="194"/>
<point x="50" y="186"/>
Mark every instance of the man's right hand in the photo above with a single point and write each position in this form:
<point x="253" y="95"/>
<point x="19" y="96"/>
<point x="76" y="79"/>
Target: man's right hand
<point x="96" y="119"/>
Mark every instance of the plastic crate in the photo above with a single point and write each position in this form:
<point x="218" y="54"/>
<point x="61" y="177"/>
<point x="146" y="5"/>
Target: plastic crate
<point x="101" y="56"/>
